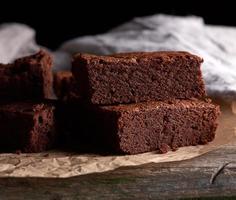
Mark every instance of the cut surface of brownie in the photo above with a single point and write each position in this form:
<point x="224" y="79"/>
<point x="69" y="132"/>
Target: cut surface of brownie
<point x="138" y="77"/>
<point x="161" y="126"/>
<point x="27" y="78"/>
<point x="26" y="127"/>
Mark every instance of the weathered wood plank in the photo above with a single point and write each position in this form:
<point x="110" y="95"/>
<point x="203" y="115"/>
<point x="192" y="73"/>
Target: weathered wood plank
<point x="184" y="179"/>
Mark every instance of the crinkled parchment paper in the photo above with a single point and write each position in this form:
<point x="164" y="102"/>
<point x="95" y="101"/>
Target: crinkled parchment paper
<point x="60" y="164"/>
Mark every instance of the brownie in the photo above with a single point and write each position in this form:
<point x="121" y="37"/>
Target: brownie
<point x="160" y="125"/>
<point x="138" y="77"/>
<point x="65" y="86"/>
<point x="27" y="78"/>
<point x="26" y="127"/>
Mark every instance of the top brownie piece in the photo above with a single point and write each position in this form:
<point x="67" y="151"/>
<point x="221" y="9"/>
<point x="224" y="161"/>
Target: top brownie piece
<point x="138" y="77"/>
<point x="27" y="78"/>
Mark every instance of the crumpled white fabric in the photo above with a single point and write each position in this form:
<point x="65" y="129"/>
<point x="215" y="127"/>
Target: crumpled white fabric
<point x="16" y="40"/>
<point x="216" y="44"/>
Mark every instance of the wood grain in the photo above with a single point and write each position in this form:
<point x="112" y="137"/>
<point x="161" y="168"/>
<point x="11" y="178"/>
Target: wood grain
<point x="183" y="179"/>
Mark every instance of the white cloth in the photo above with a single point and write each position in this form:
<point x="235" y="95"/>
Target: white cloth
<point x="16" y="40"/>
<point x="216" y="44"/>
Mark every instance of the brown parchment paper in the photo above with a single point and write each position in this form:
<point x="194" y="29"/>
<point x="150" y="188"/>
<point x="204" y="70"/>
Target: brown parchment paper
<point x="61" y="164"/>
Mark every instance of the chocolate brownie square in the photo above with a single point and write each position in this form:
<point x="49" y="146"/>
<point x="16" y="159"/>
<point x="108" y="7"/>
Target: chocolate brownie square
<point x="26" y="127"/>
<point x="138" y="77"/>
<point x="160" y="125"/>
<point x="27" y="78"/>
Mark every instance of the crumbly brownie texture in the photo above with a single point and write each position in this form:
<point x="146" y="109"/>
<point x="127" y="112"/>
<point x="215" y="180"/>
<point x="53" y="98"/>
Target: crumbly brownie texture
<point x="138" y="77"/>
<point x="27" y="78"/>
<point x="26" y="127"/>
<point x="161" y="126"/>
<point x="65" y="86"/>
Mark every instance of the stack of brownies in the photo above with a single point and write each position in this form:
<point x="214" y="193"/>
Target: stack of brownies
<point x="26" y="120"/>
<point x="128" y="103"/>
<point x="136" y="102"/>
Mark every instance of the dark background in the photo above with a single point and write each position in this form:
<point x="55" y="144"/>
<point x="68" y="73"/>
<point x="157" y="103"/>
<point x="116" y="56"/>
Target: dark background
<point x="58" y="22"/>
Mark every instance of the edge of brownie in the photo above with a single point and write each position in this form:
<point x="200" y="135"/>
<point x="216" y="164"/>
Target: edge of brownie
<point x="134" y="57"/>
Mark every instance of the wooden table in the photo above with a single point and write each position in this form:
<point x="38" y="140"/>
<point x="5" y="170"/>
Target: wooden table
<point x="183" y="179"/>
